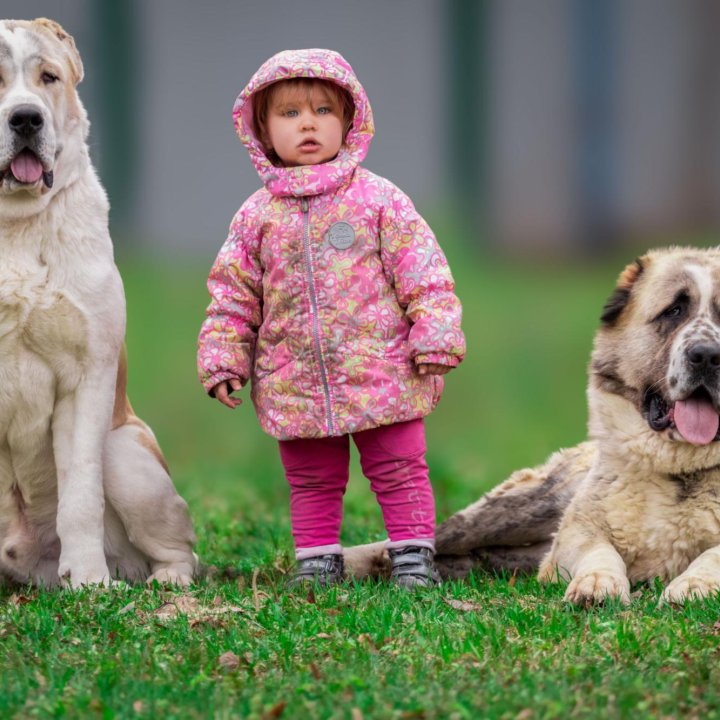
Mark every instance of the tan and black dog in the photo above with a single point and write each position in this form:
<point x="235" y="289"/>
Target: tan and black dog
<point x="641" y="499"/>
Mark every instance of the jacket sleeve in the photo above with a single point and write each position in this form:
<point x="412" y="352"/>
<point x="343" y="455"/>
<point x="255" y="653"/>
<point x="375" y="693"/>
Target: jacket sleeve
<point x="424" y="286"/>
<point x="226" y="345"/>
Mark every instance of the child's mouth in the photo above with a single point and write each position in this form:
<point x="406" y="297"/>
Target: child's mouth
<point x="309" y="145"/>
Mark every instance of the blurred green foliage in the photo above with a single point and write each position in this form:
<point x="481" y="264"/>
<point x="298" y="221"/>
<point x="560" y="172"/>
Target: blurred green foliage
<point x="488" y="646"/>
<point x="519" y="395"/>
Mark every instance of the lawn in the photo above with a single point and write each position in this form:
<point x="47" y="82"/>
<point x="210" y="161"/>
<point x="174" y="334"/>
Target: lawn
<point x="237" y="645"/>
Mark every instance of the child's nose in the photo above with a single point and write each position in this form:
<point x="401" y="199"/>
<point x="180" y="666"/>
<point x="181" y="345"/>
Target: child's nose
<point x="308" y="120"/>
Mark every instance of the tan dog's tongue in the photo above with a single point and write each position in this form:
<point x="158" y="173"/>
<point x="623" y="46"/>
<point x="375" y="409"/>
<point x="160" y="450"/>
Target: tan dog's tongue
<point x="696" y="420"/>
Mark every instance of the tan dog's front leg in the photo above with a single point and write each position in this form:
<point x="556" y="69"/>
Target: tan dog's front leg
<point x="80" y="429"/>
<point x="595" y="569"/>
<point x="700" y="579"/>
<point x="600" y="575"/>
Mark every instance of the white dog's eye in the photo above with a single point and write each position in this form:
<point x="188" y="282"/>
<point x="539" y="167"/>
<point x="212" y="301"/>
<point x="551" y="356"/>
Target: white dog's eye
<point x="48" y="78"/>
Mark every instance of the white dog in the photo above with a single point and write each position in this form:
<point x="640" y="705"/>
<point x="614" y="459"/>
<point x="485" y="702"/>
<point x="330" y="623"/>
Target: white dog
<point x="84" y="491"/>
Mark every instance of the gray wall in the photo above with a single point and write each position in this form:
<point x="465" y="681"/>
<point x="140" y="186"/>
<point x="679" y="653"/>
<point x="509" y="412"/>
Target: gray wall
<point x="532" y="123"/>
<point x="622" y="134"/>
<point x="600" y="119"/>
<point x="194" y="171"/>
<point x="190" y="172"/>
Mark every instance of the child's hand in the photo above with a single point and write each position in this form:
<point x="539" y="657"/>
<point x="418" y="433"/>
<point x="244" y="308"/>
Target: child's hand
<point x="222" y="392"/>
<point x="433" y="369"/>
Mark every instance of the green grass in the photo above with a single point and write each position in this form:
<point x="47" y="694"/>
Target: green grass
<point x="493" y="647"/>
<point x="516" y="651"/>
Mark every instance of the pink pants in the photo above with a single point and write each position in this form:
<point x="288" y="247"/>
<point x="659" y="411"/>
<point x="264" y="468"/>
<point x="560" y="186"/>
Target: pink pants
<point x="392" y="457"/>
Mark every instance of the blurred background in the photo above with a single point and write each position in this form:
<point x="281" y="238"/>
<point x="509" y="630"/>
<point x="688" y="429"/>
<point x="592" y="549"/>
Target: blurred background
<point x="547" y="143"/>
<point x="564" y="125"/>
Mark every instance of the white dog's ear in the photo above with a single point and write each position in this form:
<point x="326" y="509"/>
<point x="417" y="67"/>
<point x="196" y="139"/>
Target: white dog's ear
<point x="56" y="30"/>
<point x="618" y="301"/>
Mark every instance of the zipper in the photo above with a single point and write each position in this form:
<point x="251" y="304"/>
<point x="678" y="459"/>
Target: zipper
<point x="305" y="206"/>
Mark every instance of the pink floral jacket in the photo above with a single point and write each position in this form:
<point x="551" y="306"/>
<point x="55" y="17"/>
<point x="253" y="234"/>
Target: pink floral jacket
<point x="330" y="289"/>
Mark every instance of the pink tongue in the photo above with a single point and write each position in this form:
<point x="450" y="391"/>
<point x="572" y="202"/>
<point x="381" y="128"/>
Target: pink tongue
<point x="26" y="167"/>
<point x="696" y="420"/>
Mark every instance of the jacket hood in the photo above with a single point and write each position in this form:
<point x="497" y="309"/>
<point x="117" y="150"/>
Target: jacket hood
<point x="306" y="179"/>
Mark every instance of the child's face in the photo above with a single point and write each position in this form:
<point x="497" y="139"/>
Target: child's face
<point x="304" y="125"/>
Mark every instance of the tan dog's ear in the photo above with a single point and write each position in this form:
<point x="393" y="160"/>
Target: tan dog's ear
<point x="618" y="301"/>
<point x="53" y="28"/>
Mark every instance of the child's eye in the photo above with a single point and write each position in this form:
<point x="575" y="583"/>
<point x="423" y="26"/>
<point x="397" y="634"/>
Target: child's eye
<point x="324" y="110"/>
<point x="291" y="113"/>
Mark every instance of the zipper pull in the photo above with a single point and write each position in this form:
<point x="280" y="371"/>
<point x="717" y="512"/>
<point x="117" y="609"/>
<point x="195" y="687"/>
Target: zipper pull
<point x="304" y="204"/>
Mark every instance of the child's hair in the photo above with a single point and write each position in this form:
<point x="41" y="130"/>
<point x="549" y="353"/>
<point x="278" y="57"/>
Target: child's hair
<point x="264" y="96"/>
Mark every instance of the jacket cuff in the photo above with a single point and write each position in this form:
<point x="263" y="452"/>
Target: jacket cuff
<point x="437" y="359"/>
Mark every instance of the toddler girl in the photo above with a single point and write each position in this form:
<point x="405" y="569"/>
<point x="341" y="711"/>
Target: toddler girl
<point x="333" y="297"/>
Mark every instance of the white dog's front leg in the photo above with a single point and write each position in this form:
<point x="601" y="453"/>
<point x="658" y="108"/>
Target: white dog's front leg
<point x="80" y="428"/>
<point x="700" y="579"/>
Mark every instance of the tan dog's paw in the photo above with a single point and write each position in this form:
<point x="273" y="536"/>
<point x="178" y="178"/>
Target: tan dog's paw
<point x="593" y="588"/>
<point x="371" y="560"/>
<point x="686" y="587"/>
<point x="549" y="572"/>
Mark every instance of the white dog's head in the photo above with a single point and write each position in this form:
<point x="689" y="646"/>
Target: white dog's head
<point x="43" y="125"/>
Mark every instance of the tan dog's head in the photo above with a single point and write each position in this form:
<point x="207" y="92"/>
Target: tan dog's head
<point x="659" y="349"/>
<point x="43" y="125"/>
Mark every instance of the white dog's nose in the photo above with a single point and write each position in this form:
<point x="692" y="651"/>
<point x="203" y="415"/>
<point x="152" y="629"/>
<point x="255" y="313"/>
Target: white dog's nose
<point x="26" y="120"/>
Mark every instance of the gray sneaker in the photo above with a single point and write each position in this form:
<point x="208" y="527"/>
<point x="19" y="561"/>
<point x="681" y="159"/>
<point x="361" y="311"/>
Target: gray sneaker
<point x="325" y="570"/>
<point x="413" y="567"/>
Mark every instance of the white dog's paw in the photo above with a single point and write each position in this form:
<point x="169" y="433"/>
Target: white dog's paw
<point x="80" y="577"/>
<point x="686" y="587"/>
<point x="593" y="588"/>
<point x="79" y="573"/>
